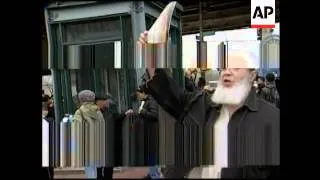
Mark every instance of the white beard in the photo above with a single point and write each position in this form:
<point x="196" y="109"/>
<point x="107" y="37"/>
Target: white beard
<point x="232" y="95"/>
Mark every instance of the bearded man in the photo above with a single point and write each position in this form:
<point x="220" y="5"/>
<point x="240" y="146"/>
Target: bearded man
<point x="244" y="130"/>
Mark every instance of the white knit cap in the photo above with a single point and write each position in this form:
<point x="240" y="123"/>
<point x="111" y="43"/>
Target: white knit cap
<point x="241" y="59"/>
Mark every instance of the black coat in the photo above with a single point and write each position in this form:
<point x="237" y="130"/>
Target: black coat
<point x="145" y="126"/>
<point x="114" y="122"/>
<point x="189" y="84"/>
<point x="148" y="116"/>
<point x="149" y="110"/>
<point x="118" y="137"/>
<point x="254" y="129"/>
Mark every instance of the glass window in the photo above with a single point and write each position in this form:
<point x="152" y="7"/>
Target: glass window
<point x="94" y="30"/>
<point x="103" y="55"/>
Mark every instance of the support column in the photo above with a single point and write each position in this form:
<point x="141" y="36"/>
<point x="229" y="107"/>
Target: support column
<point x="138" y="22"/>
<point x="201" y="45"/>
<point x="138" y="26"/>
<point x="264" y="33"/>
<point x="58" y="115"/>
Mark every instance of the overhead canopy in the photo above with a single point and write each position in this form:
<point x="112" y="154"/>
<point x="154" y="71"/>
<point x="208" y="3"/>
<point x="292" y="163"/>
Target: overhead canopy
<point x="217" y="15"/>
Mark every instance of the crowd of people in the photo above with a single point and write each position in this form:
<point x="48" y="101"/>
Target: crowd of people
<point x="47" y="107"/>
<point x="268" y="88"/>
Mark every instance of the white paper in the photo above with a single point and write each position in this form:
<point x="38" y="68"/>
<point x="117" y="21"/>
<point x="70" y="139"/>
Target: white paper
<point x="141" y="106"/>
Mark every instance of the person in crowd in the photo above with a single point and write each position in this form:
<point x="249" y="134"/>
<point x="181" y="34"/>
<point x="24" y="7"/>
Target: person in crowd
<point x="201" y="83"/>
<point x="260" y="84"/>
<point x="189" y="83"/>
<point x="270" y="92"/>
<point x="148" y="113"/>
<point x="278" y="84"/>
<point x="104" y="102"/>
<point x="90" y="113"/>
<point x="44" y="110"/>
<point x="50" y="107"/>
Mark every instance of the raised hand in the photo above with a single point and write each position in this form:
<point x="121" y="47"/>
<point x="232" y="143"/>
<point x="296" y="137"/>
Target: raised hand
<point x="143" y="41"/>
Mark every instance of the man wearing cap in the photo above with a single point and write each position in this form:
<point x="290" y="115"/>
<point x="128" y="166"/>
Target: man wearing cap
<point x="148" y="108"/>
<point x="103" y="101"/>
<point x="241" y="132"/>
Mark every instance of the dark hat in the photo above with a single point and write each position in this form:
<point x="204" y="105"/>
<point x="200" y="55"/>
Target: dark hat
<point x="142" y="89"/>
<point x="101" y="96"/>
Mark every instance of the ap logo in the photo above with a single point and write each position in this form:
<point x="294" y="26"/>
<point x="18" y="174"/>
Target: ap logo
<point x="263" y="14"/>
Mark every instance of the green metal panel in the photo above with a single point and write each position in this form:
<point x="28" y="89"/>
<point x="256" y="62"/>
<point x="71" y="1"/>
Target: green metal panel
<point x="127" y="43"/>
<point x="70" y="109"/>
<point x="176" y="39"/>
<point x="63" y="92"/>
<point x="128" y="58"/>
<point x="56" y="51"/>
<point x="179" y="47"/>
<point x="97" y="74"/>
<point x="58" y="113"/>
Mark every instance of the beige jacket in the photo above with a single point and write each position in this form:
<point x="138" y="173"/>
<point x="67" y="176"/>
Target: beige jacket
<point x="88" y="131"/>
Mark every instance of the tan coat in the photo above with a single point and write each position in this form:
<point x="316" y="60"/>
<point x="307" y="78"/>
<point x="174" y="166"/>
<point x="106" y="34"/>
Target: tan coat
<point x="88" y="132"/>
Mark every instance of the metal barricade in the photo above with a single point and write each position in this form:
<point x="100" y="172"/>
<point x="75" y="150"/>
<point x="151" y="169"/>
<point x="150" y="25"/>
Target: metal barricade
<point x="65" y="141"/>
<point x="82" y="143"/>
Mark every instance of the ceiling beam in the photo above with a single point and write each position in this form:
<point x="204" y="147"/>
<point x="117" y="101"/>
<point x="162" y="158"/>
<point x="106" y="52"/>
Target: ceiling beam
<point x="218" y="20"/>
<point x="212" y="4"/>
<point x="224" y="28"/>
<point x="216" y="14"/>
<point x="217" y="24"/>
